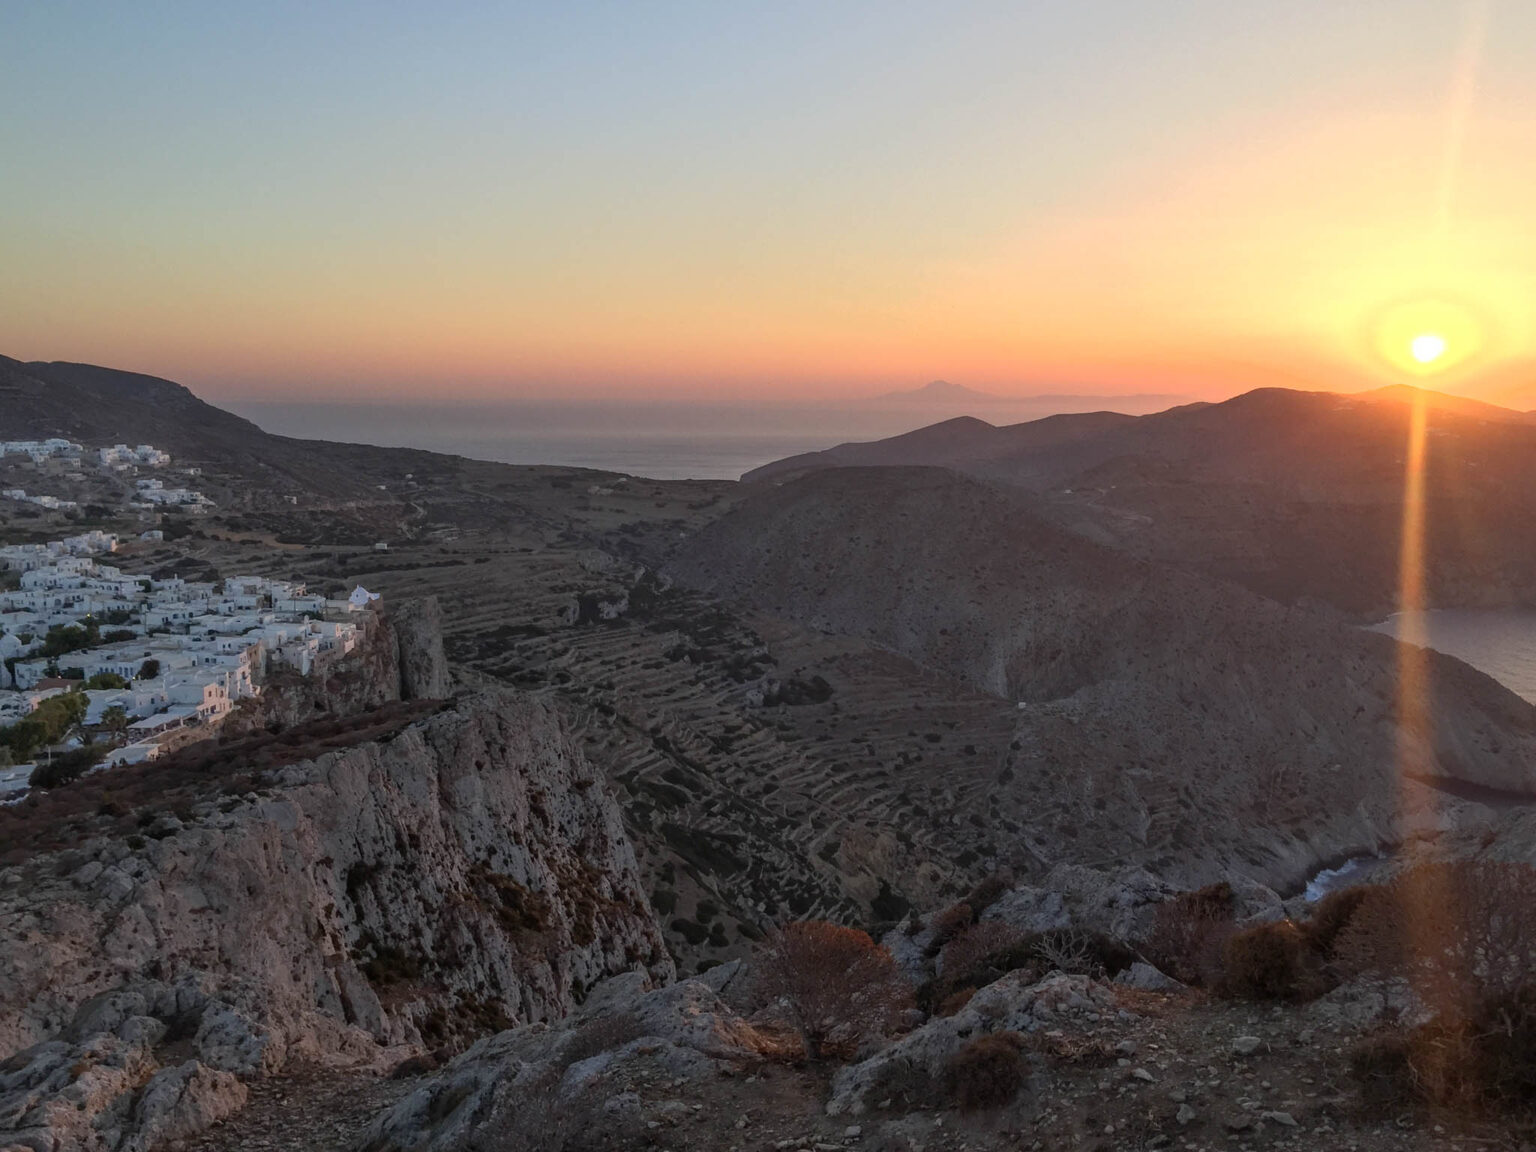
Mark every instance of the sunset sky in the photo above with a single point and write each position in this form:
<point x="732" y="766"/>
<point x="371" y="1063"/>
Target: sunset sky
<point x="771" y="201"/>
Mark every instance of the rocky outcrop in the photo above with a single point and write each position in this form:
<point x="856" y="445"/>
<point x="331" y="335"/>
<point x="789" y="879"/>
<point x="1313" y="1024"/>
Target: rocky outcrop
<point x="514" y="1084"/>
<point x="398" y="657"/>
<point x="1011" y="1004"/>
<point x="416" y="627"/>
<point x="466" y="872"/>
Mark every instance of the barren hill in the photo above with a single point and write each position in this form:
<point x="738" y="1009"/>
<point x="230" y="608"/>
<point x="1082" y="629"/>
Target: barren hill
<point x="1163" y="716"/>
<point x="1297" y="495"/>
<point x="98" y="406"/>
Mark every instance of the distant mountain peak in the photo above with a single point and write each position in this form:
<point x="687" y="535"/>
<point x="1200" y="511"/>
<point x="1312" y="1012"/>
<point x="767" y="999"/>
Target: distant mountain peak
<point x="941" y="391"/>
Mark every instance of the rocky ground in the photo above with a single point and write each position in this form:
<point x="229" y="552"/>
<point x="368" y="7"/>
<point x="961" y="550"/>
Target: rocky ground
<point x="1142" y="1070"/>
<point x="304" y="1110"/>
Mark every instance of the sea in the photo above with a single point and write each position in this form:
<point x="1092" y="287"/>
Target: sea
<point x="661" y="441"/>
<point x="1500" y="642"/>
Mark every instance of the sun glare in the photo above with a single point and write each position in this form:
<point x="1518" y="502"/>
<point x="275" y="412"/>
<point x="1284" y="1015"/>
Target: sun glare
<point x="1427" y="347"/>
<point x="1429" y="336"/>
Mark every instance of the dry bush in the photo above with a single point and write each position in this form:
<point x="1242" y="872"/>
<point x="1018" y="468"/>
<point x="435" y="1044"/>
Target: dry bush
<point x="1486" y="1062"/>
<point x="1461" y="933"/>
<point x="1072" y="950"/>
<point x="989" y="891"/>
<point x="990" y="950"/>
<point x="971" y="950"/>
<point x="988" y="1072"/>
<point x="978" y="955"/>
<point x="1189" y="932"/>
<point x="832" y="978"/>
<point x="1464" y="935"/>
<point x="1271" y="962"/>
<point x="950" y="923"/>
<point x="1083" y="1051"/>
<point x="1331" y="915"/>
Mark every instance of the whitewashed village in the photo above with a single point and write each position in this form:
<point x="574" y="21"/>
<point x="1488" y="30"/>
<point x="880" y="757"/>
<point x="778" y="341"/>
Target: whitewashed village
<point x="100" y="667"/>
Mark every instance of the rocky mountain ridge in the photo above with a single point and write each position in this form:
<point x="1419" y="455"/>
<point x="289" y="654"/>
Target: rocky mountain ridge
<point x="1295" y="495"/>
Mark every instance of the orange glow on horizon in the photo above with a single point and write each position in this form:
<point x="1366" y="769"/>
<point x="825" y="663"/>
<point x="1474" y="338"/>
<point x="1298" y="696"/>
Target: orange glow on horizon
<point x="1308" y="242"/>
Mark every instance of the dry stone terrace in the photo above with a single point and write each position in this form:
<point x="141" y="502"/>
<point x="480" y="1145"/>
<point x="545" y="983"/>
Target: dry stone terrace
<point x="860" y="776"/>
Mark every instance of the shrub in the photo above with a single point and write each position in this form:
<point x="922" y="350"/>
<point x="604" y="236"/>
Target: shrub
<point x="1081" y="953"/>
<point x="977" y="948"/>
<point x="1270" y="962"/>
<point x="989" y="950"/>
<point x="1331" y="915"/>
<point x="950" y="923"/>
<point x="65" y="766"/>
<point x="1486" y="1062"/>
<point x="988" y="1072"/>
<point x="832" y="978"/>
<point x="45" y="724"/>
<point x="1189" y="932"/>
<point x="987" y="893"/>
<point x="1461" y="933"/>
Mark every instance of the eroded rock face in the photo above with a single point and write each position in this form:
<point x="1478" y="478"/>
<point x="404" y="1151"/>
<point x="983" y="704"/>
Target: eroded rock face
<point x="468" y="871"/>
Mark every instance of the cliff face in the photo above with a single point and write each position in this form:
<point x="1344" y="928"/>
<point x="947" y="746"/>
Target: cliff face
<point x="469" y="871"/>
<point x="416" y="631"/>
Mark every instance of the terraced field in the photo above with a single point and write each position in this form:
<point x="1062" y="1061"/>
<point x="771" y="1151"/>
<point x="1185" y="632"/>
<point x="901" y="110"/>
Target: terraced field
<point x="764" y="772"/>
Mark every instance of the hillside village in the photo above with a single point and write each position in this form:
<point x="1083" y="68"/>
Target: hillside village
<point x="68" y="460"/>
<point x="102" y="666"/>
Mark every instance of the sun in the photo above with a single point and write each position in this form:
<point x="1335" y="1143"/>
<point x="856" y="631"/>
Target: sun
<point x="1428" y="336"/>
<point x="1427" y="347"/>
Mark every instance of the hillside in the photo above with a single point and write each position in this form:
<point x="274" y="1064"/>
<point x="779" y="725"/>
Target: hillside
<point x="1296" y="495"/>
<point x="1162" y="717"/>
<point x="99" y="406"/>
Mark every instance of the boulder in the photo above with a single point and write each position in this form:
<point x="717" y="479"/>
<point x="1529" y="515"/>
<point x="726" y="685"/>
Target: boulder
<point x="1146" y="978"/>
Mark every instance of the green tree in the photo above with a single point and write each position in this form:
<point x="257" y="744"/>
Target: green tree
<point x="46" y="724"/>
<point x="149" y="669"/>
<point x="115" y="719"/>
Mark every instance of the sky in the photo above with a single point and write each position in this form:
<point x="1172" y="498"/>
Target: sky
<point x="384" y="200"/>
